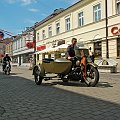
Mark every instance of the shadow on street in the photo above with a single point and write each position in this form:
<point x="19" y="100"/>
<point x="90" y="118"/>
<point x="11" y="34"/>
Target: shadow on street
<point x="21" y="98"/>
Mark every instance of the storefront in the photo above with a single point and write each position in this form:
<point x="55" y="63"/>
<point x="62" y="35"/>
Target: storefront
<point x="98" y="49"/>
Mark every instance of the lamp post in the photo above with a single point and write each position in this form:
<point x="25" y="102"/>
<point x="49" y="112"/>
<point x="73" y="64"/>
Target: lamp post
<point x="34" y="41"/>
<point x="106" y="19"/>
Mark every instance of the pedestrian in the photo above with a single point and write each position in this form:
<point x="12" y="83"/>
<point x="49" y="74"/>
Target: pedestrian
<point x="91" y="54"/>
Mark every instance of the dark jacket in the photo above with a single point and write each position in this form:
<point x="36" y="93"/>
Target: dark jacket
<point x="70" y="51"/>
<point x="6" y="58"/>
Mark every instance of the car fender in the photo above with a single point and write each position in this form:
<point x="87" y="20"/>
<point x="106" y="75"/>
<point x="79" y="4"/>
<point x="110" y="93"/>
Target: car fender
<point x="93" y="64"/>
<point x="40" y="68"/>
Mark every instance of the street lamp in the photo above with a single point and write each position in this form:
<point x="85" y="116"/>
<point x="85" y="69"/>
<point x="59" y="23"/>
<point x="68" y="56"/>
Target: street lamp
<point x="34" y="41"/>
<point x="106" y="19"/>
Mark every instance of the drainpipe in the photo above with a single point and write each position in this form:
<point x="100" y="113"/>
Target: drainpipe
<point x="106" y="19"/>
<point x="34" y="41"/>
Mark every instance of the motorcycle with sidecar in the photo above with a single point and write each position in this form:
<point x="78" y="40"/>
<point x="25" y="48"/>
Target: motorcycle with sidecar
<point x="67" y="70"/>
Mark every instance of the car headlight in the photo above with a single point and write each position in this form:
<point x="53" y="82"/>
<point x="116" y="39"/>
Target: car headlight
<point x="77" y="63"/>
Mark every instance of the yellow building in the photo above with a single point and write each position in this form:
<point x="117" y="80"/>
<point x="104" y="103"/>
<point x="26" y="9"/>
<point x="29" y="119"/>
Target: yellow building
<point x="86" y="21"/>
<point x="9" y="48"/>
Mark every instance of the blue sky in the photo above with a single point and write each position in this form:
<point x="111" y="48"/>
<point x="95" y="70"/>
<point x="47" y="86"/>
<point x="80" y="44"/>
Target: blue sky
<point x="18" y="14"/>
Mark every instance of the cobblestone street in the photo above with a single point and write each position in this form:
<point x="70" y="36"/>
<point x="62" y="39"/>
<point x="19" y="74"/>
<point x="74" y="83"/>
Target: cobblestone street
<point x="22" y="99"/>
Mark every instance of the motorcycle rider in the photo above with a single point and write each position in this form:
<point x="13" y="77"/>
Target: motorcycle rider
<point x="5" y="59"/>
<point x="70" y="53"/>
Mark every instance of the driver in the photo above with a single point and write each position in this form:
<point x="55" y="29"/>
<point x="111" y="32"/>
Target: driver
<point x="70" y="53"/>
<point x="71" y="49"/>
<point x="5" y="59"/>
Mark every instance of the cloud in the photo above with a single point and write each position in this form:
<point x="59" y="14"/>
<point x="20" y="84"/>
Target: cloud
<point x="29" y="21"/>
<point x="45" y="15"/>
<point x="27" y="2"/>
<point x="33" y="10"/>
<point x="74" y="1"/>
<point x="71" y="2"/>
<point x="11" y="1"/>
<point x="22" y="2"/>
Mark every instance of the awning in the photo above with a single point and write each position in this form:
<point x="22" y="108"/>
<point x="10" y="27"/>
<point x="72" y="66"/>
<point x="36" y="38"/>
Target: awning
<point x="47" y="50"/>
<point x="60" y="48"/>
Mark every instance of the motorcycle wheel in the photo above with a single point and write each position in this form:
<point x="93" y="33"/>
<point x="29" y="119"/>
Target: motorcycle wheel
<point x="5" y="72"/>
<point x="65" y="80"/>
<point x="37" y="77"/>
<point x="8" y="71"/>
<point x="92" y="77"/>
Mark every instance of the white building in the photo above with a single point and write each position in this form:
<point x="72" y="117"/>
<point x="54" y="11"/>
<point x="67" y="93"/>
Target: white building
<point x="21" y="52"/>
<point x="86" y="21"/>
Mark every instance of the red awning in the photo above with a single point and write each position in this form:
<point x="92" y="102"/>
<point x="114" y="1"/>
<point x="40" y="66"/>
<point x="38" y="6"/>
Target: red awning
<point x="42" y="47"/>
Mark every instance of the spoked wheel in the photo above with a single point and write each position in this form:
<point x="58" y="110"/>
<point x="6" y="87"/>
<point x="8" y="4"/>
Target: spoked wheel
<point x="92" y="76"/>
<point x="63" y="78"/>
<point x="37" y="77"/>
<point x="8" y="71"/>
<point x="5" y="72"/>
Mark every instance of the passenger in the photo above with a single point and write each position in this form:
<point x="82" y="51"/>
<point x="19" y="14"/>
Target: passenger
<point x="83" y="64"/>
<point x="91" y="55"/>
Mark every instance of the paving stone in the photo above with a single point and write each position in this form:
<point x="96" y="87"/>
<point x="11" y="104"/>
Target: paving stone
<point x="23" y="100"/>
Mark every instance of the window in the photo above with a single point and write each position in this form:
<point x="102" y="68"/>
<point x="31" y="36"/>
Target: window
<point x="49" y="31"/>
<point x="118" y="47"/>
<point x="24" y="43"/>
<point x="21" y="42"/>
<point x="15" y="59"/>
<point x="43" y="34"/>
<point x="37" y="56"/>
<point x="28" y="36"/>
<point x="38" y="37"/>
<point x="26" y="58"/>
<point x="57" y="28"/>
<point x="97" y="13"/>
<point x="118" y="6"/>
<point x="80" y="19"/>
<point x="18" y="43"/>
<point x="97" y="49"/>
<point x="67" y="24"/>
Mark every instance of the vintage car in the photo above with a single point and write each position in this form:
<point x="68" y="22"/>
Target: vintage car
<point x="67" y="70"/>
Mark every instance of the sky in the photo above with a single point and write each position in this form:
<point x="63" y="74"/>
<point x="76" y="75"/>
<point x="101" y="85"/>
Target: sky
<point x="16" y="15"/>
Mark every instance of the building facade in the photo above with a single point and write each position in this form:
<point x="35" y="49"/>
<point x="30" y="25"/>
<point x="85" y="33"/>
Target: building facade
<point x="23" y="48"/>
<point x="9" y="48"/>
<point x="85" y="20"/>
<point x="3" y="44"/>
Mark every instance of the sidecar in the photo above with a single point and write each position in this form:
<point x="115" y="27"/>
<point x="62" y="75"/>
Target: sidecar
<point x="58" y="66"/>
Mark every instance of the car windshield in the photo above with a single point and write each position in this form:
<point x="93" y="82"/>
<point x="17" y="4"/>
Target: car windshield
<point x="78" y="51"/>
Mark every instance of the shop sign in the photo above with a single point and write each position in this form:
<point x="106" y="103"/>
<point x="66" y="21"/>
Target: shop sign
<point x="30" y="44"/>
<point x="1" y="35"/>
<point x="42" y="47"/>
<point x="115" y="30"/>
<point x="2" y="55"/>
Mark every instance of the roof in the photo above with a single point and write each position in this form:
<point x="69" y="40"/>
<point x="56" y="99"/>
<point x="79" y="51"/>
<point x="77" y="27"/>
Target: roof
<point x="55" y="13"/>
